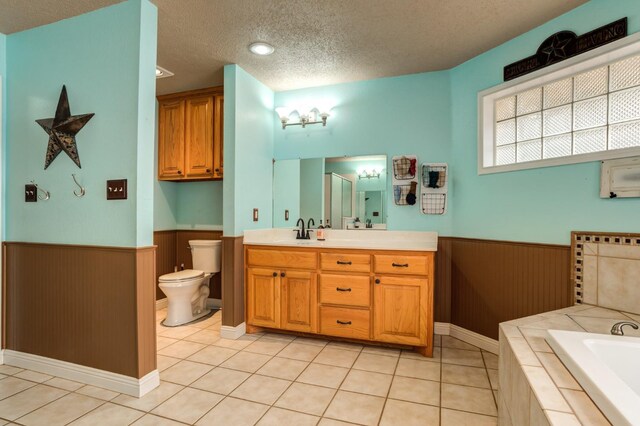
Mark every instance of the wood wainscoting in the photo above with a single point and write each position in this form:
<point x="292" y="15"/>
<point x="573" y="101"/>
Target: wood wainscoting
<point x="481" y="283"/>
<point x="173" y="251"/>
<point x="92" y="306"/>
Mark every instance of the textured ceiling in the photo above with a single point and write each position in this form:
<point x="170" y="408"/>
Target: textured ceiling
<point x="317" y="43"/>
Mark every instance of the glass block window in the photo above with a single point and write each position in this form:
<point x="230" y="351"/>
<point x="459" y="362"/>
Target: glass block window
<point x="584" y="112"/>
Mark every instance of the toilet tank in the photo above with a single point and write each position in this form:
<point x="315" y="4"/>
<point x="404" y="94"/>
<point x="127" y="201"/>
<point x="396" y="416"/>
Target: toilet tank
<point x="206" y="255"/>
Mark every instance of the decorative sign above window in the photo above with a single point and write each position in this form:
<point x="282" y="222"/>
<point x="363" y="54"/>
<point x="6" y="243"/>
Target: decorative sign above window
<point x="565" y="44"/>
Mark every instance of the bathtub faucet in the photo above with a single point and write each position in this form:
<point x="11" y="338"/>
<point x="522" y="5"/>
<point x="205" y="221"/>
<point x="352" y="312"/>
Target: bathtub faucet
<point x="617" y="327"/>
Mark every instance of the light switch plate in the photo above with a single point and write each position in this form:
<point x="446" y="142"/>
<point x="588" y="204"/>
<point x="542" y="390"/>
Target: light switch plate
<point x="117" y="189"/>
<point x="30" y="193"/>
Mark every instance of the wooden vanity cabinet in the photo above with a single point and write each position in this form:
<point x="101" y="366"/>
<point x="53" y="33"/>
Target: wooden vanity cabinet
<point x="190" y="129"/>
<point x="370" y="295"/>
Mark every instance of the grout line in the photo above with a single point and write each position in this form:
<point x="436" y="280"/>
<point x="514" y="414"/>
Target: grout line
<point x="386" y="398"/>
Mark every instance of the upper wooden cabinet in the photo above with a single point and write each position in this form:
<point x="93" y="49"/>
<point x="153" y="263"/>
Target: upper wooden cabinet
<point x="190" y="129"/>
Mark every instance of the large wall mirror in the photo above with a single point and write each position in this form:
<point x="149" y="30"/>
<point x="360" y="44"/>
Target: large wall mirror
<point x="344" y="192"/>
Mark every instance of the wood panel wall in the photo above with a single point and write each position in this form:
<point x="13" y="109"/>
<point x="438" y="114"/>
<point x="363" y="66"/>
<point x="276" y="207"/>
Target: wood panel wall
<point x="92" y="306"/>
<point x="233" y="280"/>
<point x="493" y="281"/>
<point x="173" y="252"/>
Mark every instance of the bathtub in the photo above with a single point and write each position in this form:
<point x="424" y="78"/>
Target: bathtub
<point x="607" y="367"/>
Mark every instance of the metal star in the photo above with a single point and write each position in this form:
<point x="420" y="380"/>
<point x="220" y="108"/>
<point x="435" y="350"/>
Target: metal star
<point x="62" y="130"/>
<point x="556" y="50"/>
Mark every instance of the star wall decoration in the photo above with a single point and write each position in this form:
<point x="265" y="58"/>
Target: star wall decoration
<point x="62" y="130"/>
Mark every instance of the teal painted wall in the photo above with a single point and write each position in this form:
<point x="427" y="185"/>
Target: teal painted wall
<point x="249" y="140"/>
<point x="286" y="192"/>
<point x="311" y="189"/>
<point x="3" y="126"/>
<point x="539" y="205"/>
<point x="108" y="65"/>
<point x="199" y="205"/>
<point x="392" y="116"/>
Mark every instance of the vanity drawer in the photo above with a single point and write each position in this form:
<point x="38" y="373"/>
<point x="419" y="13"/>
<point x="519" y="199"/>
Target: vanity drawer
<point x="344" y="322"/>
<point x="352" y="290"/>
<point x="401" y="264"/>
<point x="282" y="258"/>
<point x="351" y="262"/>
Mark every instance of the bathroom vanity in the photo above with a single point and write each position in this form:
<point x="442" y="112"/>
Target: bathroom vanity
<point x="372" y="286"/>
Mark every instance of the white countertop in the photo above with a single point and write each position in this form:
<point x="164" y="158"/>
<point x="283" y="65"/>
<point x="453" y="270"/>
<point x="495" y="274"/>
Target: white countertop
<point x="338" y="238"/>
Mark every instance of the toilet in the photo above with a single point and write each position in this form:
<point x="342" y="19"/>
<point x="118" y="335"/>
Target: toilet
<point x="187" y="291"/>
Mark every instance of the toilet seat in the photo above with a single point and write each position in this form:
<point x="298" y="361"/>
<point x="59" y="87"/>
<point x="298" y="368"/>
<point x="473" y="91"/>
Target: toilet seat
<point x="181" y="278"/>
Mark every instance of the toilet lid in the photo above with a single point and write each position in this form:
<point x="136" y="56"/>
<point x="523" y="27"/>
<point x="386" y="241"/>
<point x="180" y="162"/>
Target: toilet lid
<point x="187" y="274"/>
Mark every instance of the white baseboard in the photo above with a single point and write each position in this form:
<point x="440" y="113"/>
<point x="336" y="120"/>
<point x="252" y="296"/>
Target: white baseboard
<point x="161" y="304"/>
<point x="1" y="356"/>
<point x="80" y="373"/>
<point x="475" y="339"/>
<point x="442" y="328"/>
<point x="229" y="332"/>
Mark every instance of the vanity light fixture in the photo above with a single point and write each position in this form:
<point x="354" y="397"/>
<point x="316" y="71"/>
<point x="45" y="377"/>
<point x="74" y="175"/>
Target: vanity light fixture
<point x="305" y="115"/>
<point x="365" y="174"/>
<point x="261" y="48"/>
<point x="162" y="73"/>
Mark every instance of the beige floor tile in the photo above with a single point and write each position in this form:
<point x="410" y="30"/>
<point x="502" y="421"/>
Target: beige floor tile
<point x="470" y="399"/>
<point x="452" y="342"/>
<point x="377" y="363"/>
<point x="236" y="412"/>
<point x="188" y="405"/>
<point x="237" y="344"/>
<point x="463" y="375"/>
<point x="279" y="417"/>
<point x="262" y="389"/>
<point x="31" y="399"/>
<point x="151" y="400"/>
<point x="381" y="350"/>
<point x="207" y="322"/>
<point x="96" y="392"/>
<point x="179" y="332"/>
<point x="165" y="362"/>
<point x="331" y="422"/>
<point x="336" y="357"/>
<point x="323" y="375"/>
<point x="9" y="370"/>
<point x="246" y="361"/>
<point x="437" y="340"/>
<point x="151" y="420"/>
<point x="300" y="351"/>
<point x="408" y="367"/>
<point x="437" y="355"/>
<point x="220" y="380"/>
<point x="461" y="418"/>
<point x="65" y="384"/>
<point x="161" y="313"/>
<point x="355" y="408"/>
<point x="213" y="355"/>
<point x="490" y="360"/>
<point x="185" y="372"/>
<point x="347" y="346"/>
<point x="109" y="415"/>
<point x="181" y="349"/>
<point x="266" y="346"/>
<point x="11" y="386"/>
<point x="311" y="341"/>
<point x="462" y="357"/>
<point x="306" y="398"/>
<point x="415" y="390"/>
<point x="493" y="378"/>
<point x="33" y="376"/>
<point x="283" y="368"/>
<point x="163" y="342"/>
<point x="206" y="337"/>
<point x="409" y="414"/>
<point x="367" y="382"/>
<point x="279" y="336"/>
<point x="61" y="411"/>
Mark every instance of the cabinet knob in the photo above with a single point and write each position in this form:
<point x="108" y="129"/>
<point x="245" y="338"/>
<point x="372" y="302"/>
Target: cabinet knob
<point x="282" y="274"/>
<point x="217" y="170"/>
<point x="179" y="172"/>
<point x="275" y="274"/>
<point x="377" y="281"/>
<point x="208" y="170"/>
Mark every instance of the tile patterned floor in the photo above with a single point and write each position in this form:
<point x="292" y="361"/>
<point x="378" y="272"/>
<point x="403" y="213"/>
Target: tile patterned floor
<point x="271" y="379"/>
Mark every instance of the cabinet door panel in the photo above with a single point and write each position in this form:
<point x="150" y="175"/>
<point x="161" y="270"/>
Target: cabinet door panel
<point x="263" y="301"/>
<point x="199" y="137"/>
<point x="300" y="301"/>
<point x="171" y="140"/>
<point x="400" y="314"/>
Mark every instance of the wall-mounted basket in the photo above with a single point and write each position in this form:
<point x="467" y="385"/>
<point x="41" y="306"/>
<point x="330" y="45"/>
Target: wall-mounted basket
<point x="434" y="187"/>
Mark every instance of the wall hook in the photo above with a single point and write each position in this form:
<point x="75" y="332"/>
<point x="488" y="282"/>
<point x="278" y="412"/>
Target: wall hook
<point x="82" y="190"/>
<point x="47" y="194"/>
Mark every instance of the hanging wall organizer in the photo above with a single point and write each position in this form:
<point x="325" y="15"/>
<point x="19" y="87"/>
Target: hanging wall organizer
<point x="405" y="180"/>
<point x="434" y="183"/>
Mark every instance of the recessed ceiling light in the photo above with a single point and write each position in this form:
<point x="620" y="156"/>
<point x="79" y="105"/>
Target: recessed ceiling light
<point x="162" y="73"/>
<point x="261" y="48"/>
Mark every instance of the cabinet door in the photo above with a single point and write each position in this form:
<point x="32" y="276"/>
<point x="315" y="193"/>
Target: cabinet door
<point x="218" y="140"/>
<point x="171" y="140"/>
<point x="400" y="310"/>
<point x="199" y="137"/>
<point x="299" y="301"/>
<point x="263" y="297"/>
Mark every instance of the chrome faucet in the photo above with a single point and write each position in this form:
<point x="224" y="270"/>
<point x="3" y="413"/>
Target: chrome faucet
<point x="616" y="330"/>
<point x="301" y="235"/>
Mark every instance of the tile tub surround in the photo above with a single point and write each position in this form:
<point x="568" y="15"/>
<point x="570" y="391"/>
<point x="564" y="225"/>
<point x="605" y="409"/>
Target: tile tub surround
<point x="338" y="238"/>
<point x="535" y="387"/>
<point x="272" y="379"/>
